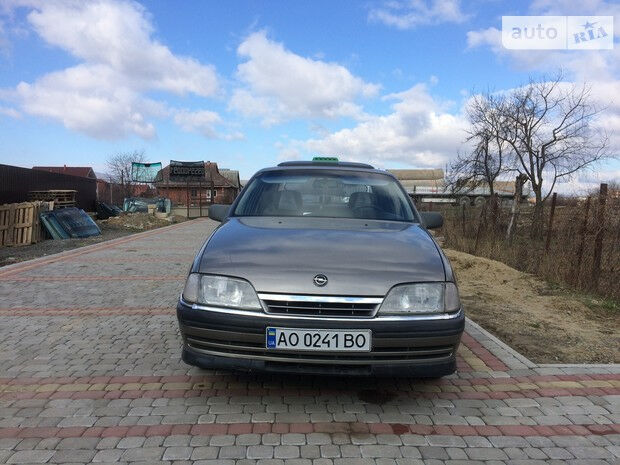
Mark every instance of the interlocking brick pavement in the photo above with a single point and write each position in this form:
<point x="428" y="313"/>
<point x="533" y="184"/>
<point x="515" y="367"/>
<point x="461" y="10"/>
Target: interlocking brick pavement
<point x="90" y="371"/>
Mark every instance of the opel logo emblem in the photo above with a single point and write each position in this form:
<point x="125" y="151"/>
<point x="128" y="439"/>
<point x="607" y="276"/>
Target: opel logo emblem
<point x="320" y="280"/>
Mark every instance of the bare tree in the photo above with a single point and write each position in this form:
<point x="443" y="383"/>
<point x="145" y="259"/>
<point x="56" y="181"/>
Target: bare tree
<point x="490" y="156"/>
<point x="549" y="125"/>
<point x="516" y="206"/>
<point x="119" y="170"/>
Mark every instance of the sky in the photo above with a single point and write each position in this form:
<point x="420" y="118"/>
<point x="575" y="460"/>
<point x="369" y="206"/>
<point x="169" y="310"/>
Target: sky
<point x="248" y="84"/>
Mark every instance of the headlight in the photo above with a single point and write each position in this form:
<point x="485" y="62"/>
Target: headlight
<point x="422" y="298"/>
<point x="220" y="291"/>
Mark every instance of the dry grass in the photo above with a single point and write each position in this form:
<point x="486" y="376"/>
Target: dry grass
<point x="481" y="231"/>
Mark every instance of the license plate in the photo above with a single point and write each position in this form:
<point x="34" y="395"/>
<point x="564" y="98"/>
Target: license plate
<point x="319" y="339"/>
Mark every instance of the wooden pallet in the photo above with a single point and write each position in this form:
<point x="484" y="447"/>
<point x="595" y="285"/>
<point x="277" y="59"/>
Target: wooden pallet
<point x="7" y="212"/>
<point x="61" y="198"/>
<point x="20" y="223"/>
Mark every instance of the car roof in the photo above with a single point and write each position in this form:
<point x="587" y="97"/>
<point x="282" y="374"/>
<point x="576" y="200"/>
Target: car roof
<point x="325" y="166"/>
<point x="326" y="163"/>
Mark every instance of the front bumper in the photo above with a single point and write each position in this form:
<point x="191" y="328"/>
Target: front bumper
<point x="401" y="346"/>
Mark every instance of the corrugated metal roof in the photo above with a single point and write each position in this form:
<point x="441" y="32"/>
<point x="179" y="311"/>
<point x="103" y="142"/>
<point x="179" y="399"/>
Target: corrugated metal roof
<point x="411" y="175"/>
<point x="432" y="180"/>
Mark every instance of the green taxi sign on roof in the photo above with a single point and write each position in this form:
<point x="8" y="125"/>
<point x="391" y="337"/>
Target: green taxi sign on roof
<point x="326" y="159"/>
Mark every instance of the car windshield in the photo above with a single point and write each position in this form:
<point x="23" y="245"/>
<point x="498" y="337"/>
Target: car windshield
<point x="328" y="194"/>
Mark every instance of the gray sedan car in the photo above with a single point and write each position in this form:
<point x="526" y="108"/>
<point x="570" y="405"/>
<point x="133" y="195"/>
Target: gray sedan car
<point x="322" y="267"/>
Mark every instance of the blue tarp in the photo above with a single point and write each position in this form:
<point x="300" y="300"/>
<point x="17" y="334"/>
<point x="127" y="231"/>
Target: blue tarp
<point x="140" y="204"/>
<point x="69" y="223"/>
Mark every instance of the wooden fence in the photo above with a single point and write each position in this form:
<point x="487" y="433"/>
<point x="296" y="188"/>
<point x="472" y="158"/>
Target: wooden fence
<point x="579" y="247"/>
<point x="20" y="223"/>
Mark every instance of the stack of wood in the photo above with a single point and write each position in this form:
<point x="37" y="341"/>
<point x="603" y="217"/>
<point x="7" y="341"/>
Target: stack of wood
<point x="61" y="198"/>
<point x="20" y="223"/>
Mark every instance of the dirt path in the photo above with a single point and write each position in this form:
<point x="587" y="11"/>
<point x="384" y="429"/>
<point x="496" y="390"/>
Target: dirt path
<point x="544" y="324"/>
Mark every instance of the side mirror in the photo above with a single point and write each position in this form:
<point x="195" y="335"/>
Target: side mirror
<point x="218" y="212"/>
<point x="432" y="220"/>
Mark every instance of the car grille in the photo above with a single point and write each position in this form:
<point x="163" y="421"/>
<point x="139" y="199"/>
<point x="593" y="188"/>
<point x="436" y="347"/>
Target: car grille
<point x="252" y="345"/>
<point x="325" y="306"/>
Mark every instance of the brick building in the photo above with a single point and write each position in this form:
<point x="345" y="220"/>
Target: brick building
<point x="217" y="187"/>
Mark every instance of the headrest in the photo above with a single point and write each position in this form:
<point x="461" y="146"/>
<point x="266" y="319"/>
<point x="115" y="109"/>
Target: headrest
<point x="289" y="200"/>
<point x="361" y="199"/>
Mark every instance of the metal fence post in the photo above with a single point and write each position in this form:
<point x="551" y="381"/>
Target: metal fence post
<point x="598" y="240"/>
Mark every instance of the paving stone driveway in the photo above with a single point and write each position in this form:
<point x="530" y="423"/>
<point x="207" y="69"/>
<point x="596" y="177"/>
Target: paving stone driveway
<point x="90" y="371"/>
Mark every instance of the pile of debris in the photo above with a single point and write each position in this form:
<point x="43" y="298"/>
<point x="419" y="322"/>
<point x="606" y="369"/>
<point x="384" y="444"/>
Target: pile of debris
<point x="137" y="214"/>
<point x="147" y="205"/>
<point x="138" y="221"/>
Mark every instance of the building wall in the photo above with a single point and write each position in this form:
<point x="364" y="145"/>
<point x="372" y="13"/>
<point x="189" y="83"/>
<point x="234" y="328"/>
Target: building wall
<point x="178" y="195"/>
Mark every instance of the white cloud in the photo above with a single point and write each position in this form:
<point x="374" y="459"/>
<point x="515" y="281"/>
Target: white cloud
<point x="198" y="121"/>
<point x="104" y="95"/>
<point x="85" y="99"/>
<point x="8" y="111"/>
<point x="203" y="122"/>
<point x="118" y="34"/>
<point x="491" y="37"/>
<point x="412" y="13"/>
<point x="289" y="154"/>
<point x="281" y="85"/>
<point x="587" y="182"/>
<point x="418" y="132"/>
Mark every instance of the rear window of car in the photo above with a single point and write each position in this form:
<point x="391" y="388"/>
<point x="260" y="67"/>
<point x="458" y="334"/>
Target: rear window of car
<point x="328" y="194"/>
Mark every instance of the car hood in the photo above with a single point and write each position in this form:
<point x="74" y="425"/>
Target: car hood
<point x="359" y="257"/>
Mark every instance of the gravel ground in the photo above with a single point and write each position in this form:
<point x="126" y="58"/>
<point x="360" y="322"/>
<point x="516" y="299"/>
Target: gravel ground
<point x="110" y="229"/>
